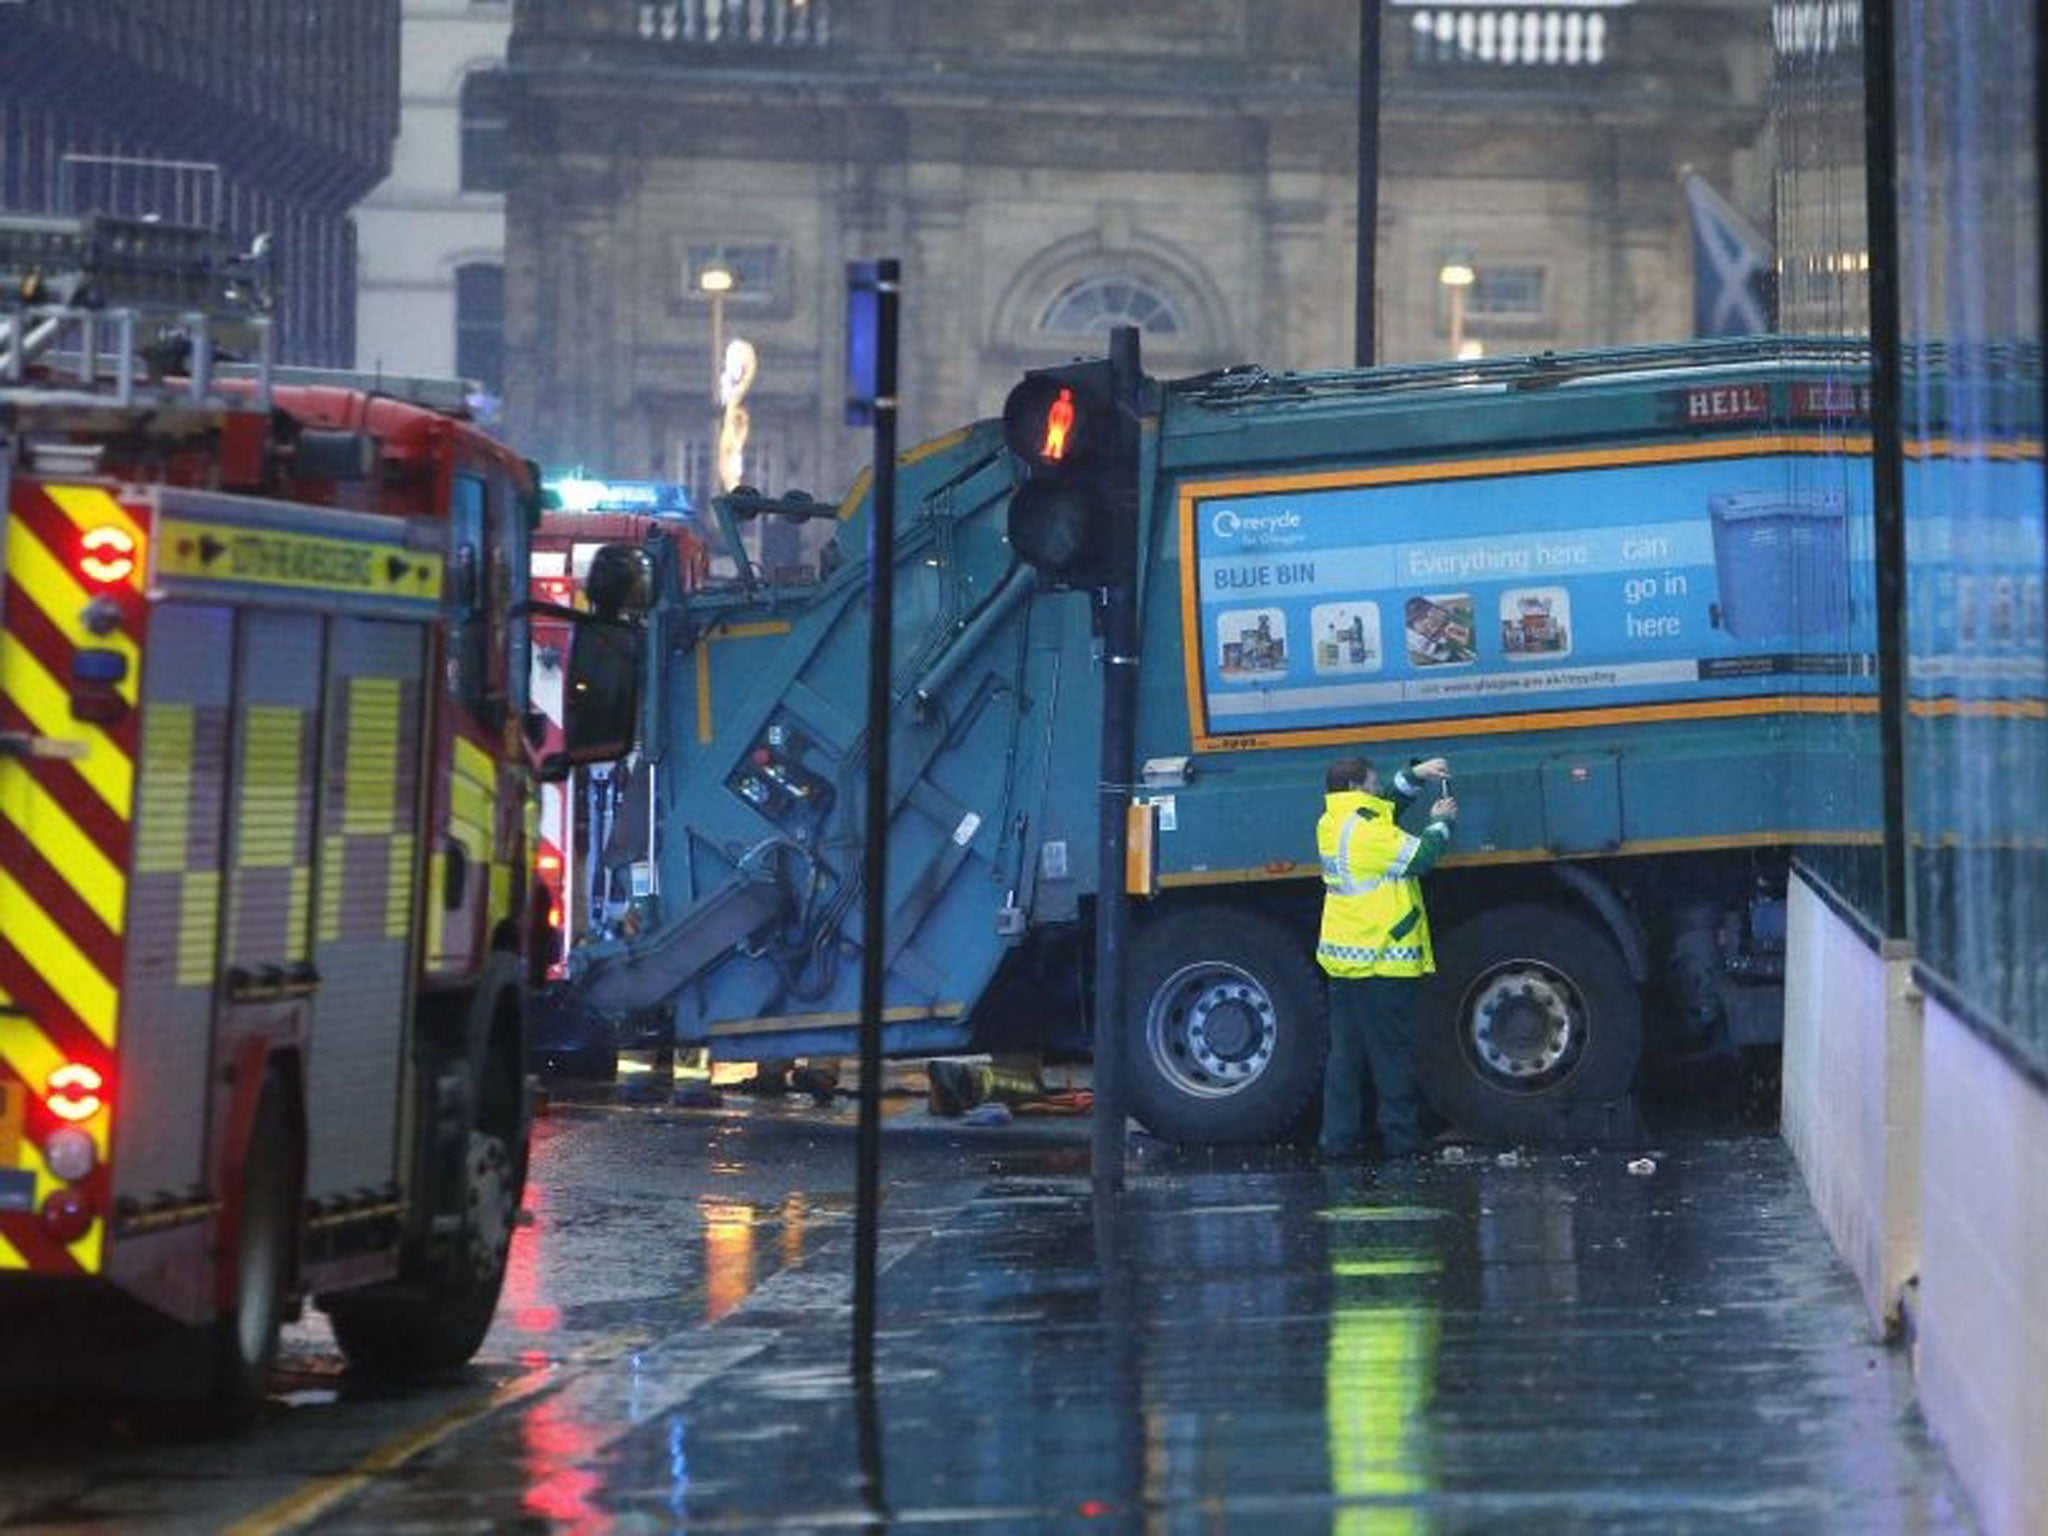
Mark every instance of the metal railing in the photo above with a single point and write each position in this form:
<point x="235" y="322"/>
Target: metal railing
<point x="738" y="23"/>
<point x="1499" y="36"/>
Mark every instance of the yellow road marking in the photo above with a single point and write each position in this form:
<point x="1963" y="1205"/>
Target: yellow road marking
<point x="298" y="1510"/>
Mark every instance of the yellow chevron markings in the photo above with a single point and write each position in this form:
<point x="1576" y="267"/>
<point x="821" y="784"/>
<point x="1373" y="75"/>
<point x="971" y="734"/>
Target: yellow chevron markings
<point x="71" y="976"/>
<point x="88" y="1248"/>
<point x="48" y="707"/>
<point x="29" y="1055"/>
<point x="76" y="858"/>
<point x="10" y="1256"/>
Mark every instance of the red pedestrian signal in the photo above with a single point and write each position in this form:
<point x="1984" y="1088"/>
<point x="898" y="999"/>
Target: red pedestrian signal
<point x="1052" y="421"/>
<point x="1059" y="420"/>
<point x="1077" y="449"/>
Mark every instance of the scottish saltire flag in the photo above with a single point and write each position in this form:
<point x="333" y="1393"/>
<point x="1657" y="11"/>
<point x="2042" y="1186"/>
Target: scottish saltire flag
<point x="1733" y="275"/>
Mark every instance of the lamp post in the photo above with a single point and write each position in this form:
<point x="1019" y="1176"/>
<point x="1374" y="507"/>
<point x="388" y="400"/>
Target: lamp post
<point x="1456" y="274"/>
<point x="715" y="283"/>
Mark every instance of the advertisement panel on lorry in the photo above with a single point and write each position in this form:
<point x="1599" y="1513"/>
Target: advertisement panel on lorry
<point x="1452" y="592"/>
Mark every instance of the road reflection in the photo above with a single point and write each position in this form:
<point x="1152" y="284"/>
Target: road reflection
<point x="525" y="1302"/>
<point x="728" y="1255"/>
<point x="1384" y="1268"/>
<point x="561" y="1485"/>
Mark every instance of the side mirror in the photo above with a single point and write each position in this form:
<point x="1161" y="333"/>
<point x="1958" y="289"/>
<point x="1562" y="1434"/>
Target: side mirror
<point x="600" y="694"/>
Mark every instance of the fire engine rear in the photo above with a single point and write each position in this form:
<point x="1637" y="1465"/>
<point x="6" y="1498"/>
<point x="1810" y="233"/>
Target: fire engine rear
<point x="266" y="761"/>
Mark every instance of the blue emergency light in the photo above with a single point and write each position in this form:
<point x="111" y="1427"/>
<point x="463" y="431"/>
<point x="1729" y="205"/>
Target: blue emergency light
<point x="572" y="491"/>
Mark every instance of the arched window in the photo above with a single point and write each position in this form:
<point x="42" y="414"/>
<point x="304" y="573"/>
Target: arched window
<point x="483" y="131"/>
<point x="1095" y="304"/>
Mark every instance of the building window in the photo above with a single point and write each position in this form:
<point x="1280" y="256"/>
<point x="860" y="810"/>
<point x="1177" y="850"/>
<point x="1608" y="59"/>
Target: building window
<point x="1500" y="301"/>
<point x="1100" y="303"/>
<point x="483" y="132"/>
<point x="480" y="324"/>
<point x="1506" y="293"/>
<point x="753" y="269"/>
<point x="696" y="466"/>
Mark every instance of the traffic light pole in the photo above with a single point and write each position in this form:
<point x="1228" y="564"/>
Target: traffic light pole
<point x="1367" y="300"/>
<point x="874" y="870"/>
<point x="1117" y="609"/>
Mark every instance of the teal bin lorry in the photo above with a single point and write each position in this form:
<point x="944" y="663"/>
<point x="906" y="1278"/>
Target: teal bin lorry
<point x="1522" y="565"/>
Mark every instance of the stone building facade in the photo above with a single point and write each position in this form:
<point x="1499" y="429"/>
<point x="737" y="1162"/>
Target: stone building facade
<point x="430" y="296"/>
<point x="1046" y="168"/>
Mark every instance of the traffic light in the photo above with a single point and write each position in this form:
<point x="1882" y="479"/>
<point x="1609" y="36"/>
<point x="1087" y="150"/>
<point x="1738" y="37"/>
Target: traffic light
<point x="1072" y="517"/>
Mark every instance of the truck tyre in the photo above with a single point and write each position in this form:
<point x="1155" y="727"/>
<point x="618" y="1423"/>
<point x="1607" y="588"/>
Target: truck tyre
<point x="243" y="1343"/>
<point x="436" y="1321"/>
<point x="1227" y="1032"/>
<point x="1531" y="1014"/>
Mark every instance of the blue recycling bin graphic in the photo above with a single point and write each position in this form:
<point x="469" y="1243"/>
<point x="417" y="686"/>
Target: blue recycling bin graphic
<point x="1782" y="561"/>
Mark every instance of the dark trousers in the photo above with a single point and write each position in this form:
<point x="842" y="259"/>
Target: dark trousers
<point x="1372" y="1029"/>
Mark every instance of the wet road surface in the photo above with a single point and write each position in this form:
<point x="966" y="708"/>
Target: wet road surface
<point x="1241" y="1342"/>
<point x="1250" y="1342"/>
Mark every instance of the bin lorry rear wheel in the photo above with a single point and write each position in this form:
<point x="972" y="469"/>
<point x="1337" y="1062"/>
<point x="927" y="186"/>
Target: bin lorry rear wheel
<point x="1530" y="1015"/>
<point x="244" y="1341"/>
<point x="436" y="1321"/>
<point x="1228" y="1037"/>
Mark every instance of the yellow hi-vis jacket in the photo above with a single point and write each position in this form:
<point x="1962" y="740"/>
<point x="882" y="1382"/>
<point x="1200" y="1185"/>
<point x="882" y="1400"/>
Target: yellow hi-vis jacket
<point x="1373" y="920"/>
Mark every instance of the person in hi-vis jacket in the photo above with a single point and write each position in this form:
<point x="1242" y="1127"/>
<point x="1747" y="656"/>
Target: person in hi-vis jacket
<point x="1374" y="945"/>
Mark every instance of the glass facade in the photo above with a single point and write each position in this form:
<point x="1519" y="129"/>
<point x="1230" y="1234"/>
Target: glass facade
<point x="1976" y="753"/>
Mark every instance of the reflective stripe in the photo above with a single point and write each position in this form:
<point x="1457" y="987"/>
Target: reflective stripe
<point x="1337" y="870"/>
<point x="1404" y="856"/>
<point x="1386" y="952"/>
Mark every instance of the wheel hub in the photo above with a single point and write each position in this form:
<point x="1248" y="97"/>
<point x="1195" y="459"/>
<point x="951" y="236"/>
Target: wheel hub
<point x="1225" y="1028"/>
<point x="1212" y="1029"/>
<point x="1523" y="1024"/>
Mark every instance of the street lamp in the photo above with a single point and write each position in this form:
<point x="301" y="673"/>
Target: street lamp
<point x="1456" y="274"/>
<point x="715" y="283"/>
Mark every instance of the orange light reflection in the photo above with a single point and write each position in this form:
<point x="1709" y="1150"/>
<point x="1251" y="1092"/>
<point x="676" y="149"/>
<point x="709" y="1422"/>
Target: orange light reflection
<point x="728" y="1255"/>
<point x="795" y="1209"/>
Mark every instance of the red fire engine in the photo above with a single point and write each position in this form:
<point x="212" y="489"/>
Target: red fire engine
<point x="265" y="774"/>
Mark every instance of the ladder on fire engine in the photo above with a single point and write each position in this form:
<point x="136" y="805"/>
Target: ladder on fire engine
<point x="99" y="308"/>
